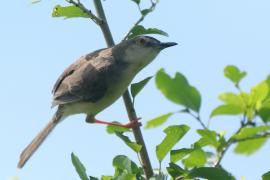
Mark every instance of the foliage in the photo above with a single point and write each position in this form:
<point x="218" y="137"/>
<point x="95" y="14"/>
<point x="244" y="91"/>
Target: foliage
<point x="203" y="158"/>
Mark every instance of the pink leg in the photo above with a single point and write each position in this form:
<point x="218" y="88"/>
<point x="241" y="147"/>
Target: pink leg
<point x="131" y="124"/>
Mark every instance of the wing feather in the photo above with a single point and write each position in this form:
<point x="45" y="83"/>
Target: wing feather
<point x="84" y="80"/>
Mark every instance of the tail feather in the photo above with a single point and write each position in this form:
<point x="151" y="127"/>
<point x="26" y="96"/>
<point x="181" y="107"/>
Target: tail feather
<point x="38" y="140"/>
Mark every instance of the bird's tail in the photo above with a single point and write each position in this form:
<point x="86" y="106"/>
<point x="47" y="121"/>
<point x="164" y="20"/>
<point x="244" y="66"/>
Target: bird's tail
<point x="38" y="140"/>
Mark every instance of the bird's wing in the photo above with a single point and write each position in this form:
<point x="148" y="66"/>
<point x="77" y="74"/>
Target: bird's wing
<point x="84" y="80"/>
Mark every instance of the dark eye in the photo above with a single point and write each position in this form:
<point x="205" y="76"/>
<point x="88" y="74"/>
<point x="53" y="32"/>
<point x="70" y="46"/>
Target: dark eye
<point x="141" y="41"/>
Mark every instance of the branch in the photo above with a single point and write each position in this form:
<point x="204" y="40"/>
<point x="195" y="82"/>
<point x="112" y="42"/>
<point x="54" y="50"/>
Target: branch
<point x="232" y="141"/>
<point x="78" y="4"/>
<point x="198" y="118"/>
<point x="151" y="9"/>
<point x="258" y="136"/>
<point x="146" y="164"/>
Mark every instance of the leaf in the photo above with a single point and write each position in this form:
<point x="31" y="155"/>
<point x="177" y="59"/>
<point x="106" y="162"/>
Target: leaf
<point x="258" y="95"/>
<point x="124" y="176"/>
<point x="106" y="178"/>
<point x="158" y="121"/>
<point x="196" y="158"/>
<point x="176" y="171"/>
<point x="79" y="167"/>
<point x="178" y="90"/>
<point x="68" y="12"/>
<point x="177" y="155"/>
<point x="210" y="173"/>
<point x="234" y="74"/>
<point x="250" y="146"/>
<point x="35" y="1"/>
<point x="146" y="11"/>
<point x="209" y="138"/>
<point x="266" y="176"/>
<point x="264" y="113"/>
<point x="136" y="1"/>
<point x="226" y="110"/>
<point x="233" y="99"/>
<point x="174" y="134"/>
<point x="93" y="178"/>
<point x="114" y="129"/>
<point x="250" y="132"/>
<point x="140" y="30"/>
<point x="122" y="162"/>
<point x="125" y="168"/>
<point x="137" y="87"/>
<point x="134" y="146"/>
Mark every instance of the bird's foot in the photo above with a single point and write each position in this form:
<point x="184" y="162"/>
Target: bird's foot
<point x="132" y="124"/>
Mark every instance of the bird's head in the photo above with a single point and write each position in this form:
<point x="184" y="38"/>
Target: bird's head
<point x="141" y="50"/>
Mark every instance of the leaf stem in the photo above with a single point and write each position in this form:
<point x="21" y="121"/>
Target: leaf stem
<point x="152" y="7"/>
<point x="197" y="117"/>
<point x="78" y="4"/>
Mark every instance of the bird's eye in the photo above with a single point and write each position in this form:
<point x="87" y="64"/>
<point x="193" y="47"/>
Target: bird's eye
<point x="142" y="42"/>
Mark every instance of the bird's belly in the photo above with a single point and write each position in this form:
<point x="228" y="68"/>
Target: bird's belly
<point x="115" y="90"/>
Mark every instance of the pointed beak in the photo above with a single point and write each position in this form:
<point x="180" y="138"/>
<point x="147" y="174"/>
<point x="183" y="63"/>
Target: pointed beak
<point x="167" y="44"/>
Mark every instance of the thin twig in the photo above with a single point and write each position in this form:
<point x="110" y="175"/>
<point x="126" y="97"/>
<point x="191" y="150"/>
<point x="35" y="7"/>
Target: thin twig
<point x="151" y="8"/>
<point x="78" y="4"/>
<point x="197" y="117"/>
<point x="232" y="141"/>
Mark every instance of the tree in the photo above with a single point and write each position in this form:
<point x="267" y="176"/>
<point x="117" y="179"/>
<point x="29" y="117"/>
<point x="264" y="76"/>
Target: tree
<point x="196" y="161"/>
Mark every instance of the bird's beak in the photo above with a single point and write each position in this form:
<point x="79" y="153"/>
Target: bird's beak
<point x="167" y="44"/>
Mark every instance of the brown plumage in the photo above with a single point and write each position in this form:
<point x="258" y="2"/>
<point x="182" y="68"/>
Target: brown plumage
<point x="95" y="81"/>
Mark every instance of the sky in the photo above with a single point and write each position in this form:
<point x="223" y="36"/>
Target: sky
<point x="36" y="48"/>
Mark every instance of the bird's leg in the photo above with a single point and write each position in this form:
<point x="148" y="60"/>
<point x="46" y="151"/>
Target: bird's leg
<point x="131" y="124"/>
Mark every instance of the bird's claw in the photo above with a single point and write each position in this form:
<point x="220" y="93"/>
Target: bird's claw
<point x="133" y="124"/>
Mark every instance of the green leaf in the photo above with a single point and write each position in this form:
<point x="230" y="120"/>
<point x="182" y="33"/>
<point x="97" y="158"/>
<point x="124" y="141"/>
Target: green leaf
<point x="210" y="173"/>
<point x="176" y="171"/>
<point x="140" y="30"/>
<point x="177" y="155"/>
<point x="250" y="132"/>
<point x="122" y="162"/>
<point x="250" y="146"/>
<point x="233" y="99"/>
<point x="209" y="138"/>
<point x="116" y="129"/>
<point x="196" y="158"/>
<point x="136" y="1"/>
<point x="174" y="134"/>
<point x="79" y="167"/>
<point x="234" y="74"/>
<point x="35" y="1"/>
<point x="134" y="146"/>
<point x="124" y="176"/>
<point x="226" y="110"/>
<point x="125" y="168"/>
<point x="178" y="90"/>
<point x="93" y="178"/>
<point x="158" y="121"/>
<point x="106" y="178"/>
<point x="146" y="11"/>
<point x="258" y="95"/>
<point x="68" y="12"/>
<point x="266" y="176"/>
<point x="264" y="113"/>
<point x="137" y="87"/>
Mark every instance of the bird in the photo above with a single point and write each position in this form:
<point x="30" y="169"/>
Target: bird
<point x="95" y="81"/>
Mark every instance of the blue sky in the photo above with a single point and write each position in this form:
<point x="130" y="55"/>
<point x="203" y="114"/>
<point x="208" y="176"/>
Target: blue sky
<point x="36" y="48"/>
